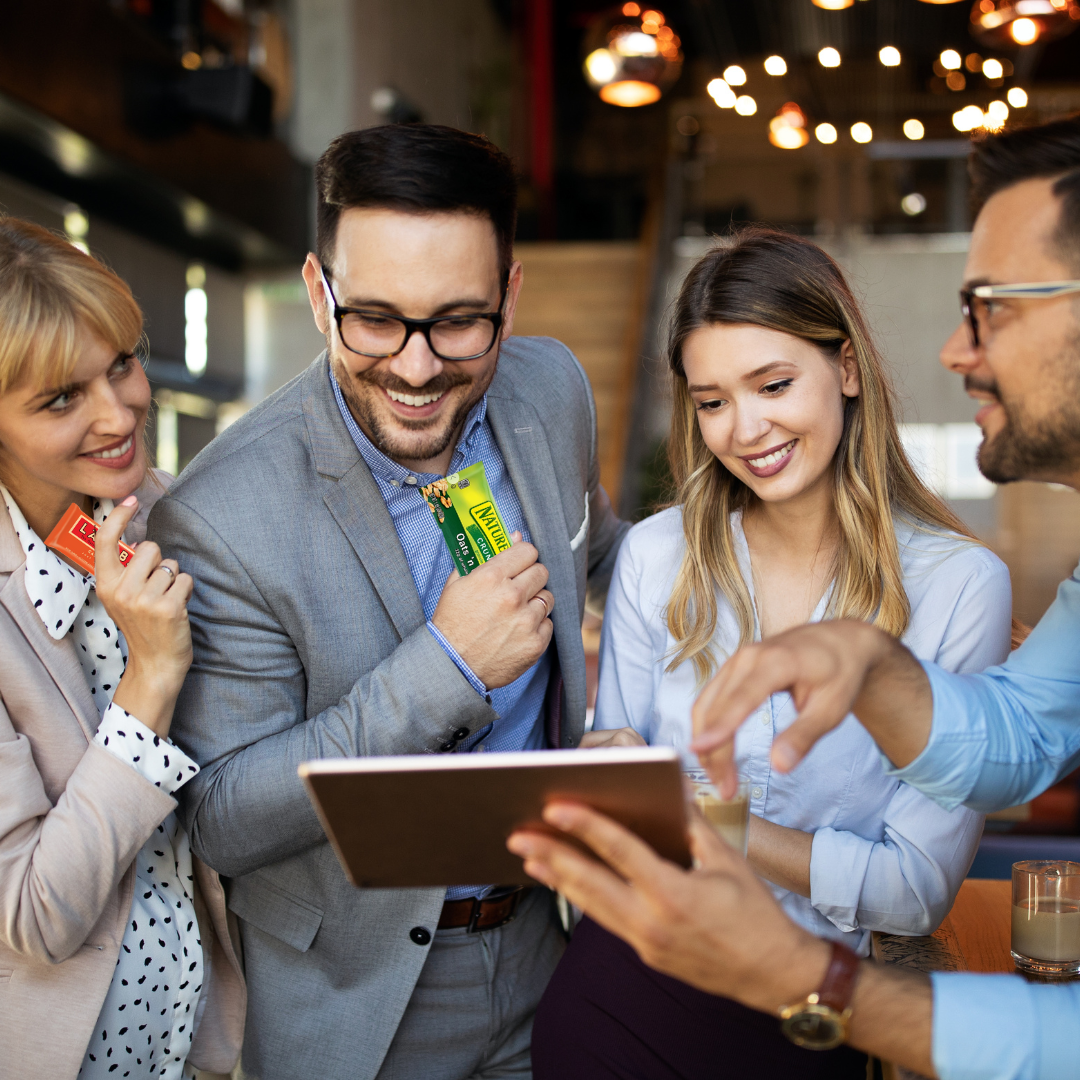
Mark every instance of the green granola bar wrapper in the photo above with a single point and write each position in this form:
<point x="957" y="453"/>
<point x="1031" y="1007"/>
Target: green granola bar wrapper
<point x="468" y="517"/>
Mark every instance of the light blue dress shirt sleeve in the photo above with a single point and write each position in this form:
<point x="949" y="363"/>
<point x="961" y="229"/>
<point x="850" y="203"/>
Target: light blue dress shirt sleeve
<point x="999" y="1027"/>
<point x="1002" y="737"/>
<point x="999" y="739"/>
<point x="464" y="668"/>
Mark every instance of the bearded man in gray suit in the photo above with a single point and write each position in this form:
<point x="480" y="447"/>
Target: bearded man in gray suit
<point x="327" y="620"/>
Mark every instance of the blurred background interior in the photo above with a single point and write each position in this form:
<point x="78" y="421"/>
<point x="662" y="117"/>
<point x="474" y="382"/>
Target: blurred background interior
<point x="175" y="139"/>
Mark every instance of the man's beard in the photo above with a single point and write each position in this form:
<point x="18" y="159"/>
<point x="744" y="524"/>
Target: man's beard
<point x="426" y="438"/>
<point x="1031" y="449"/>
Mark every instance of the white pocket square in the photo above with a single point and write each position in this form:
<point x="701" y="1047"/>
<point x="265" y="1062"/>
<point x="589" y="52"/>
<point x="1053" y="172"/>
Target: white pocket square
<point x="583" y="532"/>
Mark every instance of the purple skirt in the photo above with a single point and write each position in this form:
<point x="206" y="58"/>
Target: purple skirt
<point x="606" y="1016"/>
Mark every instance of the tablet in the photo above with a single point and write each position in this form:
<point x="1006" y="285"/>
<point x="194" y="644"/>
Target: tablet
<point x="444" y="819"/>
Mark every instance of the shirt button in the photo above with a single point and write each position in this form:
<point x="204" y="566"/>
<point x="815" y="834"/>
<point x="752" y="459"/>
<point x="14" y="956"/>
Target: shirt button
<point x="395" y="483"/>
<point x="461" y="733"/>
<point x="765" y="719"/>
<point x="447" y="746"/>
<point x="756" y="793"/>
<point x="420" y="935"/>
<point x="410" y="479"/>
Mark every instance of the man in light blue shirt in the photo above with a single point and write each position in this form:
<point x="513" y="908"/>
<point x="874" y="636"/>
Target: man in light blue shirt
<point x="987" y="741"/>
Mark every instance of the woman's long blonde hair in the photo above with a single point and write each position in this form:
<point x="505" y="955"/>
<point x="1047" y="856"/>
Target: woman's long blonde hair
<point x="786" y="283"/>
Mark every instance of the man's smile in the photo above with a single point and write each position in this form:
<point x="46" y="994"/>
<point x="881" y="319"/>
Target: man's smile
<point x="414" y="399"/>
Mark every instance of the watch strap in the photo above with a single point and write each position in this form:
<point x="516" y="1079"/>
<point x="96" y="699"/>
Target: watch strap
<point x="838" y="986"/>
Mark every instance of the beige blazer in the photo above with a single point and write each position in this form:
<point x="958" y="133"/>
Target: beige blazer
<point x="72" y="819"/>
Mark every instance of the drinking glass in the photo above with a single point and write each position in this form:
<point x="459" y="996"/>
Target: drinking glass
<point x="729" y="817"/>
<point x="1046" y="917"/>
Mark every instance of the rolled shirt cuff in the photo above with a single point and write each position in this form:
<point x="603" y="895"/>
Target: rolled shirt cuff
<point x="949" y="765"/>
<point x="838" y="862"/>
<point x="155" y="759"/>
<point x="464" y="668"/>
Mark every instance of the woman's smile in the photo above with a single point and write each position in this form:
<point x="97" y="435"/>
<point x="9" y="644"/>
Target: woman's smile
<point x="770" y="462"/>
<point x="115" y="455"/>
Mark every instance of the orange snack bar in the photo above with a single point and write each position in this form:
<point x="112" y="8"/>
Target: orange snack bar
<point x="73" y="538"/>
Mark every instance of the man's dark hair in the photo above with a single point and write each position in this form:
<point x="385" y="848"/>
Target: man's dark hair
<point x="1030" y="153"/>
<point x="418" y="168"/>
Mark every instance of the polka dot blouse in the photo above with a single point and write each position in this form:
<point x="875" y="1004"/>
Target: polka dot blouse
<point x="146" y="1022"/>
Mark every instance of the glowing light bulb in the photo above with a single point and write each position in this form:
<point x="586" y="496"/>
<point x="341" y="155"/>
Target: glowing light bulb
<point x="862" y="132"/>
<point x="968" y="118"/>
<point x="825" y="133"/>
<point x="721" y="93"/>
<point x="1017" y="97"/>
<point x="950" y="59"/>
<point x="600" y="66"/>
<point x="913" y="204"/>
<point x="1024" y="31"/>
<point x="775" y="65"/>
<point x="914" y="129"/>
<point x="745" y="105"/>
<point x="829" y="57"/>
<point x="993" y="69"/>
<point x="890" y="56"/>
<point x="735" y="76"/>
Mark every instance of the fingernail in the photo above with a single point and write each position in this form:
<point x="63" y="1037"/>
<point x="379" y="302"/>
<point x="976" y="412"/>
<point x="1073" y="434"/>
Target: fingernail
<point x="557" y="816"/>
<point x="130" y="501"/>
<point x="784" y="757"/>
<point x="519" y="845"/>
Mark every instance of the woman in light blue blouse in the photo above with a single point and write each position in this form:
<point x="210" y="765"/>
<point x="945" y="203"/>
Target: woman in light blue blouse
<point x="795" y="503"/>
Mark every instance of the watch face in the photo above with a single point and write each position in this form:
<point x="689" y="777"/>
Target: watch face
<point x="816" y="1027"/>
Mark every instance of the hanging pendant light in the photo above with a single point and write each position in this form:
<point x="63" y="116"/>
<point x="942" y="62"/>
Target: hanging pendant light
<point x="1009" y="23"/>
<point x="787" y="129"/>
<point x="632" y="56"/>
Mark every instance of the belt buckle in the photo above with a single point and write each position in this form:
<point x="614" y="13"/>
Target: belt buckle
<point x="474" y="916"/>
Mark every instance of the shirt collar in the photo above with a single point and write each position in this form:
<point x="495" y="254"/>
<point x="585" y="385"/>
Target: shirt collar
<point x="56" y="590"/>
<point x="384" y="468"/>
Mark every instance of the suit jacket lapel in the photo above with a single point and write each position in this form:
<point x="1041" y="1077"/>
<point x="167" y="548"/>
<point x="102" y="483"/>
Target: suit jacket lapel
<point x="523" y="443"/>
<point x="58" y="657"/>
<point x="357" y="504"/>
<point x="358" y="507"/>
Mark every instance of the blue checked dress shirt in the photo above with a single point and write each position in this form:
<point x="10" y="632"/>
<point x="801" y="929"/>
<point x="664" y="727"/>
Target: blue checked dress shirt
<point x="519" y="706"/>
<point x="999" y="739"/>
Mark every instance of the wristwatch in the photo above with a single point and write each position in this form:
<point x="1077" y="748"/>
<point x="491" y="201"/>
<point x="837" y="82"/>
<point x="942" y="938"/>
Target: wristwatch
<point x="819" y="1021"/>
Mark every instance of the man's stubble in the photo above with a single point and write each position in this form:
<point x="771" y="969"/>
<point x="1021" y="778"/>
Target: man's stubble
<point x="1028" y="448"/>
<point x="427" y="439"/>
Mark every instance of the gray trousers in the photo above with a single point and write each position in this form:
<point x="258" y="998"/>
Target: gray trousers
<point x="470" y="1016"/>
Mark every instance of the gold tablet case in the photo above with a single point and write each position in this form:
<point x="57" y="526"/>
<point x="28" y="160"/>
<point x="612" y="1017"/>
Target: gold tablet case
<point x="444" y="819"/>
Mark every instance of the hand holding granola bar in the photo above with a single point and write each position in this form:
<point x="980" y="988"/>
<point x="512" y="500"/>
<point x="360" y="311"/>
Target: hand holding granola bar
<point x="497" y="618"/>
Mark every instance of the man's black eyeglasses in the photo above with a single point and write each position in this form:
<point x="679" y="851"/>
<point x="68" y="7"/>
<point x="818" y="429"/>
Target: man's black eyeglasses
<point x="974" y="302"/>
<point x="379" y="335"/>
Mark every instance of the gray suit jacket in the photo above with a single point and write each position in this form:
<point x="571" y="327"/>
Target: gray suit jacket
<point x="310" y="642"/>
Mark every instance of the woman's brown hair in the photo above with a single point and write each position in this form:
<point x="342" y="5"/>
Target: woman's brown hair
<point x="786" y="283"/>
<point x="51" y="294"/>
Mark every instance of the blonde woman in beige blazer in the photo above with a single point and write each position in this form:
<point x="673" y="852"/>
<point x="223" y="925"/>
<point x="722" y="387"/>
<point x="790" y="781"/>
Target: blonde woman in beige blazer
<point x="116" y="958"/>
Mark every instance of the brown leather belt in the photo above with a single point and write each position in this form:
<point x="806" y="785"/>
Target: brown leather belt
<point x="486" y="914"/>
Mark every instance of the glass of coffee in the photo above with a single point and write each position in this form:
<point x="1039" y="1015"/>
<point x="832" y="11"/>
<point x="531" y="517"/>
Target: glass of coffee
<point x="729" y="817"/>
<point x="1046" y="917"/>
